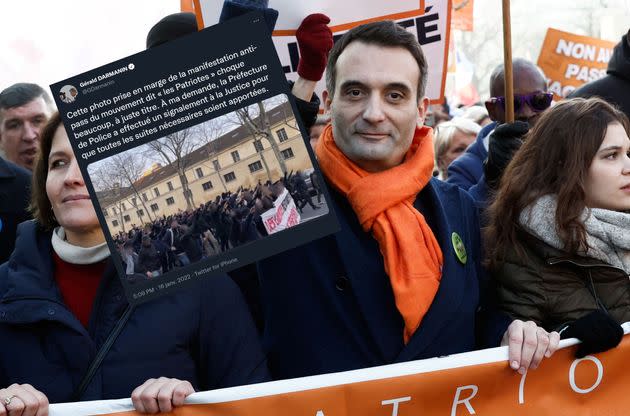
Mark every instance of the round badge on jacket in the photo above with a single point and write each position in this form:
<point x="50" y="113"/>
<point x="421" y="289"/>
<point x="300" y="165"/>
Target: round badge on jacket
<point x="458" y="246"/>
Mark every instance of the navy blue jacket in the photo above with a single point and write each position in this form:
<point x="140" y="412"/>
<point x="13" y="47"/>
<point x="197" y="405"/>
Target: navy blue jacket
<point x="614" y="87"/>
<point x="15" y="192"/>
<point x="466" y="170"/>
<point x="203" y="334"/>
<point x="329" y="306"/>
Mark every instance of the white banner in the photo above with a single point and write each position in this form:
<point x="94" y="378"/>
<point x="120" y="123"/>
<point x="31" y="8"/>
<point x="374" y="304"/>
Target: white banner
<point x="283" y="215"/>
<point x="428" y="20"/>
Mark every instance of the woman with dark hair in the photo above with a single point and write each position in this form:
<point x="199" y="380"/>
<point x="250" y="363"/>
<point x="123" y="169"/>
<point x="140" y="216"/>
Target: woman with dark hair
<point x="558" y="238"/>
<point x="60" y="298"/>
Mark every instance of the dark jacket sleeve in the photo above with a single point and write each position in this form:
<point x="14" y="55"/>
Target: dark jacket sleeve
<point x="465" y="171"/>
<point x="307" y="110"/>
<point x="230" y="352"/>
<point x="520" y="293"/>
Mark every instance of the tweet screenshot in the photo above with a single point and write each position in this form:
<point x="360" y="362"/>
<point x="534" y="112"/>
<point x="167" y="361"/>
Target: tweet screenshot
<point x="195" y="157"/>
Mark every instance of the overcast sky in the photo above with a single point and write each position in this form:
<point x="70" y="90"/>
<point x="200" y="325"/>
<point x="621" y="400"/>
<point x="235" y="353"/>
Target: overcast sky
<point x="45" y="41"/>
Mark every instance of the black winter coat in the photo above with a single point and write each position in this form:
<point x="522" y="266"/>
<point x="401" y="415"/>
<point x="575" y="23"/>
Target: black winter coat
<point x="203" y="334"/>
<point x="615" y="86"/>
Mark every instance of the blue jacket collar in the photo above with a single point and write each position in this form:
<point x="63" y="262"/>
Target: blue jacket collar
<point x="478" y="148"/>
<point x="28" y="291"/>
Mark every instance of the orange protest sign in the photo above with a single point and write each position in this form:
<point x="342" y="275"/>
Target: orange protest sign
<point x="463" y="15"/>
<point x="570" y="60"/>
<point x="464" y="384"/>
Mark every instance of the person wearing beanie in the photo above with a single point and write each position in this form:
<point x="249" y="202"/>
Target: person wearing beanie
<point x="314" y="41"/>
<point x="171" y="27"/>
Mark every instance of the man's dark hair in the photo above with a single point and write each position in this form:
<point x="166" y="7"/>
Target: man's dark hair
<point x="21" y="94"/>
<point x="384" y="33"/>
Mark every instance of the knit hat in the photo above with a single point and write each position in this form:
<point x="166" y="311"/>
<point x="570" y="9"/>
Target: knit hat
<point x="171" y="27"/>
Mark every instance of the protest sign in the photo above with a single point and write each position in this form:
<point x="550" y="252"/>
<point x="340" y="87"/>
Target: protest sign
<point x="463" y="15"/>
<point x="428" y="20"/>
<point x="284" y="214"/>
<point x="479" y="383"/>
<point x="175" y="134"/>
<point x="352" y="13"/>
<point x="570" y="60"/>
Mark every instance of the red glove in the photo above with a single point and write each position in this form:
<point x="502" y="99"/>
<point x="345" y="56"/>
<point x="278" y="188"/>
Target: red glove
<point x="315" y="41"/>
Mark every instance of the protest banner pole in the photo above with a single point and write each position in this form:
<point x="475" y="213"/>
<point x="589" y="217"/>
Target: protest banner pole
<point x="507" y="63"/>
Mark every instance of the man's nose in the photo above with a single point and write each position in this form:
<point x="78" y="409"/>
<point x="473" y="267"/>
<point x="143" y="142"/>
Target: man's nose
<point x="374" y="110"/>
<point x="31" y="131"/>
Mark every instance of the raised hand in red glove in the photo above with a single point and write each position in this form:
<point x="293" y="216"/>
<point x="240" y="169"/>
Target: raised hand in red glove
<point x="315" y="41"/>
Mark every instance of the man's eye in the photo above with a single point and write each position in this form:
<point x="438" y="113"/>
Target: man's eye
<point x="354" y="93"/>
<point x="395" y="96"/>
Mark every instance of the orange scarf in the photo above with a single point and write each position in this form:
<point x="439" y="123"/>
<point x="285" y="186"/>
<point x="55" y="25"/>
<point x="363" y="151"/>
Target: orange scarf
<point x="383" y="203"/>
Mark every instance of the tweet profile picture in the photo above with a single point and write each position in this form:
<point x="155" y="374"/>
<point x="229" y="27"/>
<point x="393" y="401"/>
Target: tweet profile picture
<point x="68" y="93"/>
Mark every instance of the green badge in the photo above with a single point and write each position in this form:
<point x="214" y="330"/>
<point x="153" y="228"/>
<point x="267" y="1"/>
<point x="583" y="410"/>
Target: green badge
<point x="460" y="250"/>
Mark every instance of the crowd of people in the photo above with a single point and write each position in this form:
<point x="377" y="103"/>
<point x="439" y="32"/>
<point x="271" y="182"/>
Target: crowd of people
<point x="521" y="239"/>
<point x="229" y="221"/>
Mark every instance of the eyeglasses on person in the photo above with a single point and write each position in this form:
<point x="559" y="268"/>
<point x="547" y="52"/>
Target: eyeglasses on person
<point x="537" y="101"/>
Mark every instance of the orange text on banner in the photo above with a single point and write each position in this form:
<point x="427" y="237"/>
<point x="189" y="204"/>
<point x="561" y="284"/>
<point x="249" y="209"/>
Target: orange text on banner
<point x="570" y="60"/>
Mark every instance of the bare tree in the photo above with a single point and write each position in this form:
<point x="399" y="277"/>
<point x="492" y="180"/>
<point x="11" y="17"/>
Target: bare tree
<point x="173" y="150"/>
<point x="209" y="132"/>
<point x="260" y="128"/>
<point x="130" y="167"/>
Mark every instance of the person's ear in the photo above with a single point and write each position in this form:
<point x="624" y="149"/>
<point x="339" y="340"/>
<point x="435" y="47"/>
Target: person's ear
<point x="423" y="108"/>
<point x="327" y="98"/>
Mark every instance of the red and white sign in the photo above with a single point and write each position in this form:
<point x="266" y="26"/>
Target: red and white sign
<point x="283" y="215"/>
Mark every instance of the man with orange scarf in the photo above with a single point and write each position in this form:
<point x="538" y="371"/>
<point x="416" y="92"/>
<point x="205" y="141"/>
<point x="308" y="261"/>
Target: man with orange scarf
<point x="402" y="279"/>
